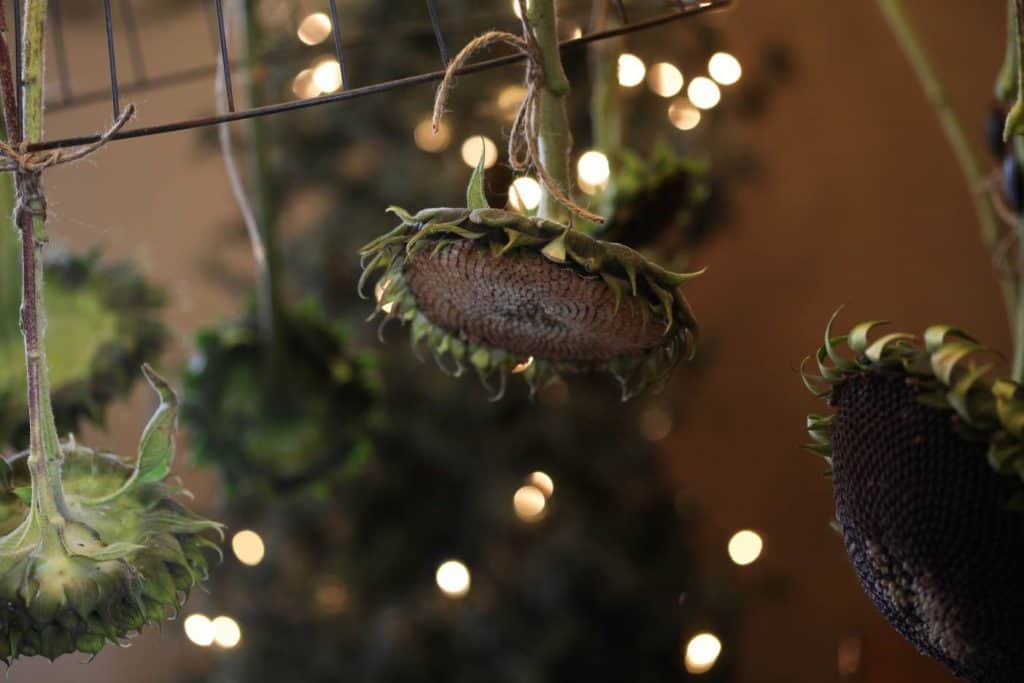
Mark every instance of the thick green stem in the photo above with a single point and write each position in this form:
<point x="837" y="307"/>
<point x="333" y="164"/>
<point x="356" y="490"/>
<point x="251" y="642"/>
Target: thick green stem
<point x="958" y="142"/>
<point x="555" y="137"/>
<point x="45" y="456"/>
<point x="606" y="112"/>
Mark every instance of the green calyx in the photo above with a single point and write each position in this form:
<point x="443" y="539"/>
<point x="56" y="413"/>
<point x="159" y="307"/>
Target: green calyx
<point x="648" y="292"/>
<point x="102" y="325"/>
<point x="298" y="428"/>
<point x="943" y="365"/>
<point x="120" y="554"/>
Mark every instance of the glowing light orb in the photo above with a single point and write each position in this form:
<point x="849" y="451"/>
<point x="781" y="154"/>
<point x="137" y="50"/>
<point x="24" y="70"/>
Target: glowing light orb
<point x="683" y="115"/>
<point x="453" y="579"/>
<point x="665" y="79"/>
<point x="199" y="629"/>
<point x="471" y="150"/>
<point x="593" y="168"/>
<point x="529" y="503"/>
<point x="745" y="547"/>
<point x="314" y="28"/>
<point x="631" y="70"/>
<point x="724" y="68"/>
<point x="327" y="76"/>
<point x="226" y="632"/>
<point x="703" y="93"/>
<point x="425" y="138"/>
<point x="524" y="195"/>
<point x="248" y="547"/>
<point x="702" y="652"/>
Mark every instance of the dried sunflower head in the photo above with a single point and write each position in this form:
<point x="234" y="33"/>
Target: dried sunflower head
<point x="926" y="455"/>
<point x="500" y="293"/>
<point x="120" y="555"/>
<point x="103" y="325"/>
<point x="280" y="419"/>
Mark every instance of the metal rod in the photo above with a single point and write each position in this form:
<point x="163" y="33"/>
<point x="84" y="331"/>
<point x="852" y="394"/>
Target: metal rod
<point x="115" y="94"/>
<point x="442" y="47"/>
<point x="336" y="31"/>
<point x="434" y="76"/>
<point x="60" y="52"/>
<point x="621" y="9"/>
<point x="131" y="29"/>
<point x="225" y="59"/>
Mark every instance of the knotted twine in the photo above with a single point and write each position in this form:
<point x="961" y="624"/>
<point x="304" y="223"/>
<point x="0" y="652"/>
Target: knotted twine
<point x="31" y="164"/>
<point x="523" y="146"/>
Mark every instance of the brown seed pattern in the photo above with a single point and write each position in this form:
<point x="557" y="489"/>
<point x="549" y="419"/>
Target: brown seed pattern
<point x="526" y="304"/>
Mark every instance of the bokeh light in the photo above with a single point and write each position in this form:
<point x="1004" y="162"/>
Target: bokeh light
<point x="425" y="138"/>
<point x="327" y="75"/>
<point x="703" y="93"/>
<point x="303" y="85"/>
<point x="544" y="482"/>
<point x="631" y="70"/>
<point x="683" y="115"/>
<point x="199" y="629"/>
<point x="745" y="547"/>
<point x="314" y="28"/>
<point x="226" y="632"/>
<point x="665" y="79"/>
<point x="453" y="579"/>
<point x="593" y="168"/>
<point x="524" y="195"/>
<point x="518" y="12"/>
<point x="472" y="147"/>
<point x="655" y="424"/>
<point x="529" y="503"/>
<point x="702" y="652"/>
<point x="248" y="547"/>
<point x="724" y="68"/>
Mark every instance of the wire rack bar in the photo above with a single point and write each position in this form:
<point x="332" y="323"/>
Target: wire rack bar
<point x="621" y="9"/>
<point x="336" y="32"/>
<point x="689" y="11"/>
<point x="115" y="92"/>
<point x="225" y="58"/>
<point x="442" y="47"/>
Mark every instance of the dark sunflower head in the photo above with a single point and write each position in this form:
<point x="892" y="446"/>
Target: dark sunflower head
<point x="502" y="293"/>
<point x="926" y="458"/>
<point x="282" y="418"/>
<point x="103" y="324"/>
<point x="125" y="554"/>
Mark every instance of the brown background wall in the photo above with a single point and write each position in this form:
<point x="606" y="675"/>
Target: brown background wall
<point x="861" y="204"/>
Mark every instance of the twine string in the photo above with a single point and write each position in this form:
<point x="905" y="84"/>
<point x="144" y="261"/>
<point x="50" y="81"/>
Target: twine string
<point x="19" y="159"/>
<point x="523" y="141"/>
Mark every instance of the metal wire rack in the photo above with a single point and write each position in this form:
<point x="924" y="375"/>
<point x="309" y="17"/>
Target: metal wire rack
<point x="142" y="80"/>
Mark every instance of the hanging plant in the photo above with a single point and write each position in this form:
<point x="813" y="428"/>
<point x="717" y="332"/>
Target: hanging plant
<point x="102" y="319"/>
<point x="93" y="549"/>
<point x="276" y="433"/>
<point x="927" y="459"/>
<point x="500" y="292"/>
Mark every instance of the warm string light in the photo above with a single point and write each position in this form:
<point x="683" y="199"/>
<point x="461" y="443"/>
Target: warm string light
<point x="593" y="171"/>
<point x="665" y="79"/>
<point x="683" y="115"/>
<point x="429" y="141"/>
<point x="631" y="70"/>
<point x="453" y="579"/>
<point x="544" y="482"/>
<point x="303" y="85"/>
<point x="745" y="547"/>
<point x="524" y="194"/>
<point x="204" y="632"/>
<point x="314" y="28"/>
<point x="703" y="93"/>
<point x="248" y="547"/>
<point x="472" y="148"/>
<point x="724" y="68"/>
<point x="702" y="652"/>
<point x="226" y="632"/>
<point x="529" y="503"/>
<point x="327" y="75"/>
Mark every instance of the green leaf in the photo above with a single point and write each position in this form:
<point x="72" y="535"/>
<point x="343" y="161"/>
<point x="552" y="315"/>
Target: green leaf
<point x="476" y="198"/>
<point x="24" y="493"/>
<point x="935" y="336"/>
<point x="156" y="448"/>
<point x="859" y="335"/>
<point x="114" y="551"/>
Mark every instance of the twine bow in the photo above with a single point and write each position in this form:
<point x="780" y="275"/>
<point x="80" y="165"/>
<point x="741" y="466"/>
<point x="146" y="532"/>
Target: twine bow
<point x="18" y="157"/>
<point x="523" y="146"/>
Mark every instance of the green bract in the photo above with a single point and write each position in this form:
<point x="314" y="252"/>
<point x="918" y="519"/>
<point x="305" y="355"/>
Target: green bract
<point x="985" y="409"/>
<point x="102" y="326"/>
<point x="282" y="418"/>
<point x="500" y="292"/>
<point x="122" y="555"/>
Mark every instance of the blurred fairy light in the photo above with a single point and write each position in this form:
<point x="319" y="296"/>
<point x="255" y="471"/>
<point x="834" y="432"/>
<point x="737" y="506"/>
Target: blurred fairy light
<point x="518" y="12"/>
<point x="453" y="579"/>
<point x="226" y="632"/>
<point x="471" y="150"/>
<point x="331" y="596"/>
<point x="509" y="99"/>
<point x="703" y="93"/>
<point x="327" y="75"/>
<point x="522" y="367"/>
<point x="529" y="503"/>
<point x="702" y="652"/>
<point x="248" y="547"/>
<point x="631" y="70"/>
<point x="665" y="79"/>
<point x="848" y="656"/>
<point x="655" y="424"/>
<point x="379" y="290"/>
<point x="314" y="28"/>
<point x="745" y="547"/>
<point x="429" y="141"/>
<point x="524" y="195"/>
<point x="683" y="115"/>
<point x="200" y="630"/>
<point x="724" y="68"/>
<point x="593" y="168"/>
<point x="573" y="31"/>
<point x="303" y="85"/>
<point x="544" y="482"/>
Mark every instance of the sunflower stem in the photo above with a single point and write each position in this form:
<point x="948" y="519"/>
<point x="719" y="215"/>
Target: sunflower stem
<point x="904" y="33"/>
<point x="45" y="456"/>
<point x="555" y="137"/>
